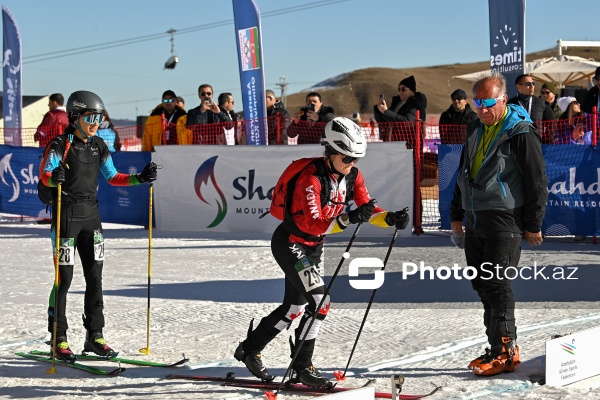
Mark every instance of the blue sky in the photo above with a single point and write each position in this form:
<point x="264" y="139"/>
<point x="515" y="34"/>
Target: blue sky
<point x="305" y="46"/>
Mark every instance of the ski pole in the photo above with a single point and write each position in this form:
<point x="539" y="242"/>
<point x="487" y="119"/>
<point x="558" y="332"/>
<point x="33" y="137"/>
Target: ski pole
<point x="52" y="369"/>
<point x="271" y="395"/>
<point x="146" y="350"/>
<point x="338" y="374"/>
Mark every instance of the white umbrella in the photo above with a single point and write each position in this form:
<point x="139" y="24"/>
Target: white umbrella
<point x="562" y="70"/>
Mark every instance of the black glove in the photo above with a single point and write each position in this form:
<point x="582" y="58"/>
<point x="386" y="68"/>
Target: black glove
<point x="362" y="213"/>
<point x="58" y="174"/>
<point x="148" y="174"/>
<point x="399" y="218"/>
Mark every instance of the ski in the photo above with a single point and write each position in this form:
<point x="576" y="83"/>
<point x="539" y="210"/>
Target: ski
<point x="93" y="357"/>
<point x="76" y="365"/>
<point x="255" y="384"/>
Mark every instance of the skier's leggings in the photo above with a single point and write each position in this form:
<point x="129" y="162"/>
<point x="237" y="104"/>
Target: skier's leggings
<point x="87" y="237"/>
<point x="304" y="290"/>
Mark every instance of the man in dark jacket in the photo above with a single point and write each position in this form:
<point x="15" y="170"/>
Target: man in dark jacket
<point x="404" y="108"/>
<point x="591" y="98"/>
<point x="460" y="114"/>
<point x="278" y="119"/>
<point x="500" y="193"/>
<point x="537" y="108"/>
<point x="205" y="120"/>
<point x="309" y="123"/>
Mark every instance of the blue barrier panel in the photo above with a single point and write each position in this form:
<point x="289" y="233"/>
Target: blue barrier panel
<point x="18" y="181"/>
<point x="573" y="185"/>
<point x="125" y="204"/>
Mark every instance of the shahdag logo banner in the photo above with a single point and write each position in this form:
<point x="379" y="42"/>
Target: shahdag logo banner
<point x="507" y="40"/>
<point x="11" y="74"/>
<point x="252" y="75"/>
<point x="573" y="206"/>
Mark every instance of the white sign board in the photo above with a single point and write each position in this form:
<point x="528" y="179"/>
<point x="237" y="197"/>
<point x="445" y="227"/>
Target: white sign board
<point x="226" y="188"/>
<point x="573" y="357"/>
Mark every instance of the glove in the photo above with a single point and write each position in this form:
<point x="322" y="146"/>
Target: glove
<point x="148" y="174"/>
<point x="458" y="240"/>
<point x="58" y="174"/>
<point x="362" y="213"/>
<point x="399" y="219"/>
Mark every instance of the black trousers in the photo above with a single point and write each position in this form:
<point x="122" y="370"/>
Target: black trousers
<point x="491" y="252"/>
<point x="87" y="237"/>
<point x="304" y="290"/>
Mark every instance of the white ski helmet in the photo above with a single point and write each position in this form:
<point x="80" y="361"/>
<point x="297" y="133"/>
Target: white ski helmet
<point x="343" y="136"/>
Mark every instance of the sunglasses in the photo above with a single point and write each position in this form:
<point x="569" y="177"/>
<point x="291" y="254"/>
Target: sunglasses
<point x="487" y="103"/>
<point x="349" y="159"/>
<point x="169" y="100"/>
<point x="402" y="88"/>
<point x="93" y="119"/>
<point x="545" y="92"/>
<point x="205" y="93"/>
<point x="457" y="98"/>
<point x="528" y="84"/>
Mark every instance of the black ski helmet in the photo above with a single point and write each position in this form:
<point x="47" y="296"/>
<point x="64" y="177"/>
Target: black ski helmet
<point x="83" y="101"/>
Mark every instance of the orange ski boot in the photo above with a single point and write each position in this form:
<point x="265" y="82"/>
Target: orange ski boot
<point x="506" y="361"/>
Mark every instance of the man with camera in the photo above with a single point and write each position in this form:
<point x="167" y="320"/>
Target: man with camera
<point x="204" y="121"/>
<point x="278" y="119"/>
<point x="309" y="123"/>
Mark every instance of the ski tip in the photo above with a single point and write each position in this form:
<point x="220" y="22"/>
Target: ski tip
<point x="339" y="375"/>
<point x="270" y="395"/>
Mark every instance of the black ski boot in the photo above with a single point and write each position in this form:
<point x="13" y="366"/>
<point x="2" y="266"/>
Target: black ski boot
<point x="95" y="343"/>
<point x="308" y="376"/>
<point x="254" y="364"/>
<point x="62" y="351"/>
<point x="311" y="377"/>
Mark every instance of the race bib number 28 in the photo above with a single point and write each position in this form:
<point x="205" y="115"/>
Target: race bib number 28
<point x="66" y="252"/>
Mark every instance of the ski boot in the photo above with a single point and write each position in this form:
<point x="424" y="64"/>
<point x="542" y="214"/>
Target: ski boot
<point x="95" y="343"/>
<point x="62" y="351"/>
<point x="506" y="361"/>
<point x="254" y="364"/>
<point x="478" y="360"/>
<point x="311" y="377"/>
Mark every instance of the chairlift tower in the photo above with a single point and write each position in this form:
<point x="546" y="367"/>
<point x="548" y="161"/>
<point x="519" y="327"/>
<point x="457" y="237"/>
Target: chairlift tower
<point x="283" y="86"/>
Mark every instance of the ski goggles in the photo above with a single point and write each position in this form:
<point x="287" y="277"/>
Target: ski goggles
<point x="487" y="103"/>
<point x="93" y="118"/>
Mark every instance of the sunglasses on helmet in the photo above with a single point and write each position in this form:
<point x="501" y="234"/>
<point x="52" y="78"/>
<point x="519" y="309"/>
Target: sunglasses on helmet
<point x="487" y="103"/>
<point x="93" y="118"/>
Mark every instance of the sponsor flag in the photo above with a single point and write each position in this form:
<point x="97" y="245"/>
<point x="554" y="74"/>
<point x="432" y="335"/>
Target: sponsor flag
<point x="12" y="101"/>
<point x="507" y="40"/>
<point x="252" y="76"/>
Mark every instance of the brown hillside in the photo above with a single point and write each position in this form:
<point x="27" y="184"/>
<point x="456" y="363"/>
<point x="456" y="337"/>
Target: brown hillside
<point x="359" y="90"/>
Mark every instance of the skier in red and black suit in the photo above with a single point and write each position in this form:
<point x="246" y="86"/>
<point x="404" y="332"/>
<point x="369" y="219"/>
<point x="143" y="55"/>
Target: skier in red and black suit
<point x="297" y="245"/>
<point x="75" y="160"/>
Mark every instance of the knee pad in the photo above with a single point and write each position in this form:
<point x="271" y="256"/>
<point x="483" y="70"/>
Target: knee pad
<point x="294" y="311"/>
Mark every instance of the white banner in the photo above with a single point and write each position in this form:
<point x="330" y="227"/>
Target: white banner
<point x="226" y="188"/>
<point x="573" y="357"/>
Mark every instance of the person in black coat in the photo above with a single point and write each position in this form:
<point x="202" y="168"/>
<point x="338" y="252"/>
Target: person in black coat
<point x="459" y="113"/>
<point x="591" y="97"/>
<point x="536" y="107"/>
<point x="404" y="108"/>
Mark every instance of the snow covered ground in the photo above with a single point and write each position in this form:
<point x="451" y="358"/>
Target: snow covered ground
<point x="206" y="289"/>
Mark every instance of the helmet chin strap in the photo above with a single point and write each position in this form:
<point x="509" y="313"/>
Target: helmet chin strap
<point x="77" y="126"/>
<point x="332" y="168"/>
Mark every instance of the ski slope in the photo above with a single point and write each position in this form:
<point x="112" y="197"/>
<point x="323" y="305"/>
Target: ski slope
<point x="206" y="289"/>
